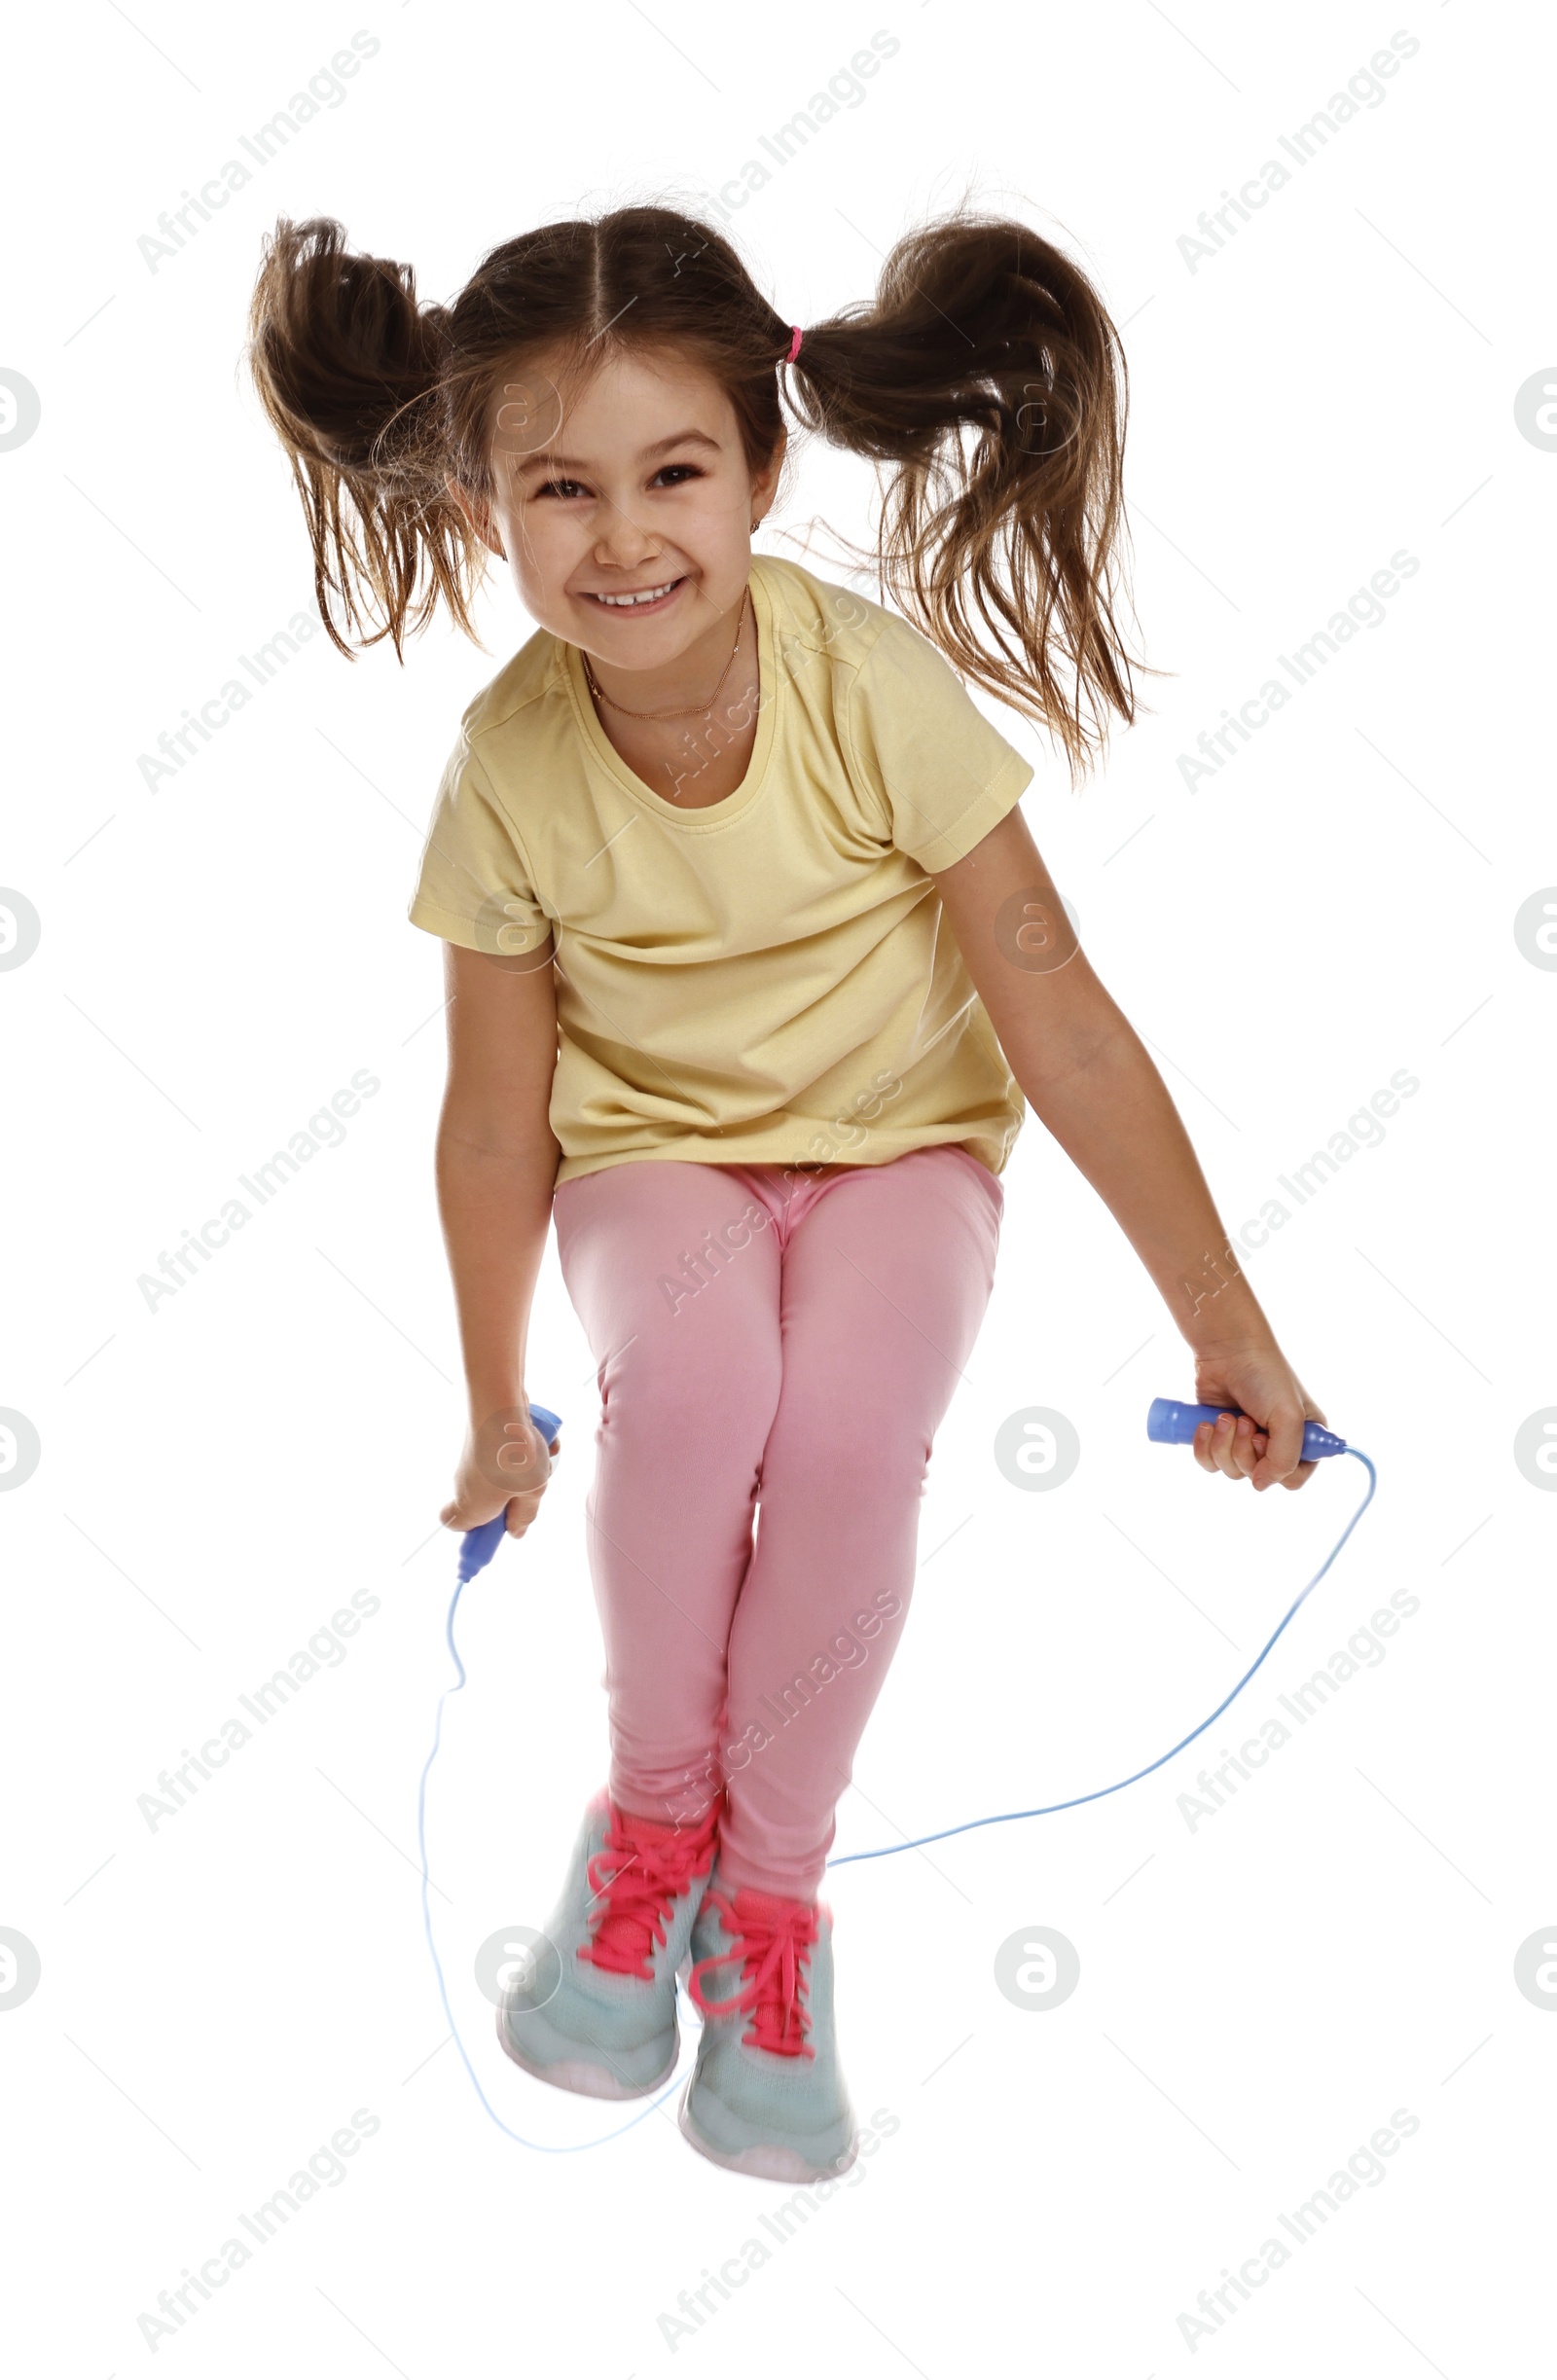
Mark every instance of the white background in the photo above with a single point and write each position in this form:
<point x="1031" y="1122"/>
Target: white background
<point x="1259" y="1993"/>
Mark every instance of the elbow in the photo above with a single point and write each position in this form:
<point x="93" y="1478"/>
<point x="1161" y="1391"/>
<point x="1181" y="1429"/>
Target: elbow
<point x="1052" y="1069"/>
<point x="479" y="1143"/>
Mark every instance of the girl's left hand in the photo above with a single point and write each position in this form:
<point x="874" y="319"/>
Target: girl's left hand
<point x="1264" y="1443"/>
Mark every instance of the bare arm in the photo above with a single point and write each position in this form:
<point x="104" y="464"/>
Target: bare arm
<point x="1087" y="1075"/>
<point x="497" y="1166"/>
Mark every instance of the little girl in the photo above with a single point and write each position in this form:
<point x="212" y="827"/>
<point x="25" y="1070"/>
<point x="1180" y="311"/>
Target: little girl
<point x="752" y="969"/>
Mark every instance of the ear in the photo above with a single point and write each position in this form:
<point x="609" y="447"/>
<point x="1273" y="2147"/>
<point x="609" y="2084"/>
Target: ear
<point x="477" y="514"/>
<point x="765" y="482"/>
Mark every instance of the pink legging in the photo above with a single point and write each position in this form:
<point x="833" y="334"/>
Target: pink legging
<point x="783" y="1341"/>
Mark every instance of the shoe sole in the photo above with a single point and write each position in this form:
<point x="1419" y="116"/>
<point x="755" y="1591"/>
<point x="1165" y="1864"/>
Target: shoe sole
<point x="583" y="2075"/>
<point x="764" y="2160"/>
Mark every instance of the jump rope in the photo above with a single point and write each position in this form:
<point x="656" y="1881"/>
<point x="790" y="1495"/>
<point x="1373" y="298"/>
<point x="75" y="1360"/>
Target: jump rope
<point x="1166" y="1422"/>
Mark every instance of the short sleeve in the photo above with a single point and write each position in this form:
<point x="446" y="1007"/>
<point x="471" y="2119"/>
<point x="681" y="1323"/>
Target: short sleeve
<point x="476" y="887"/>
<point x="947" y="776"/>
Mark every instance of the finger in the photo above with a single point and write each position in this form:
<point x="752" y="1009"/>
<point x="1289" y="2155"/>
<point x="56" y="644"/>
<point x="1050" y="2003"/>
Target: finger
<point x="1223" y="1441"/>
<point x="1303" y="1473"/>
<point x="1205" y="1444"/>
<point x="1285" y="1451"/>
<point x="466" y="1516"/>
<point x="1211" y="1441"/>
<point x="1233" y="1454"/>
<point x="455" y="1516"/>
<point x="522" y="1461"/>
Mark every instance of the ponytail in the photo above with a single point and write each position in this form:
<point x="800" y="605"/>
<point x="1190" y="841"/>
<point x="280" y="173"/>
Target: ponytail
<point x="989" y="379"/>
<point x="985" y="380"/>
<point x="348" y="368"/>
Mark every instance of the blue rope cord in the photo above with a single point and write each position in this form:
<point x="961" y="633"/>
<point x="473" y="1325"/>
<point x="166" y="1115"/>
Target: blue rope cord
<point x="1049" y="1807"/>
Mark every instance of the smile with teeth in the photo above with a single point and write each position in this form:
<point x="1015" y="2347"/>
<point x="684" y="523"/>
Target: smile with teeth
<point x="640" y="595"/>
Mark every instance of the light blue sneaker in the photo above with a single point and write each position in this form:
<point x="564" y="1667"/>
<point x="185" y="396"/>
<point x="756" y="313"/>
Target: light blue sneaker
<point x="597" y="2013"/>
<point x="766" y="2095"/>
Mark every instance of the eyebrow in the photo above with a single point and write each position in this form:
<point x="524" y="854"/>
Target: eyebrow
<point x="661" y="446"/>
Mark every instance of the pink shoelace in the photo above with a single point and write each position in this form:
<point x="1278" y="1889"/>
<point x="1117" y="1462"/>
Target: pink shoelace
<point x="638" y="1873"/>
<point x="773" y="1940"/>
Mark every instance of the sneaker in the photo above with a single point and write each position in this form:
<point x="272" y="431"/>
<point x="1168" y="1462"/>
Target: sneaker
<point x="766" y="2095"/>
<point x="607" y="2027"/>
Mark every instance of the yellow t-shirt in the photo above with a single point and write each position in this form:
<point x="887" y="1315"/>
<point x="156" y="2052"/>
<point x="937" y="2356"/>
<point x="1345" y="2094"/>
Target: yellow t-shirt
<point x="770" y="980"/>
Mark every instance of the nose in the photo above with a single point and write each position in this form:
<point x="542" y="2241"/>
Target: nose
<point x="621" y="543"/>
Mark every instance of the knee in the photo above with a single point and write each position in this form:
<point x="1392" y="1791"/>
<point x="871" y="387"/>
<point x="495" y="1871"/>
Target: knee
<point x="668" y="1394"/>
<point x="861" y="1439"/>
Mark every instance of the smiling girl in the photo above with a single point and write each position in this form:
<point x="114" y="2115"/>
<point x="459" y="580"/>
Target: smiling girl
<point x="753" y="967"/>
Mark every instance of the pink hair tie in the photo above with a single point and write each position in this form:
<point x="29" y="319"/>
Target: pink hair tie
<point x="794" y="343"/>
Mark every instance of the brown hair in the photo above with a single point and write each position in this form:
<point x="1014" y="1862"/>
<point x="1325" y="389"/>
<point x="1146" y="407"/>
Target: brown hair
<point x="985" y="376"/>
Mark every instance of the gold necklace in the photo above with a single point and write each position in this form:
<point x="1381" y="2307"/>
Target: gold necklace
<point x="697" y="709"/>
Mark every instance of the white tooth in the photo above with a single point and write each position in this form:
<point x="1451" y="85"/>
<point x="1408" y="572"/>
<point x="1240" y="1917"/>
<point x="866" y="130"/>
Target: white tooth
<point x="648" y="594"/>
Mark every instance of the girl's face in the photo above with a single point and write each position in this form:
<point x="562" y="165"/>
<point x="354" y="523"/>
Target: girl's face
<point x="633" y="485"/>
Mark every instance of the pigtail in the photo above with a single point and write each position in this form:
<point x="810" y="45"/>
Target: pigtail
<point x="989" y="379"/>
<point x="348" y="366"/>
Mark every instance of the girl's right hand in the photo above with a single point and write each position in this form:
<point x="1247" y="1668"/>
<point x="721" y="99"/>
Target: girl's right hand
<point x="504" y="1464"/>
